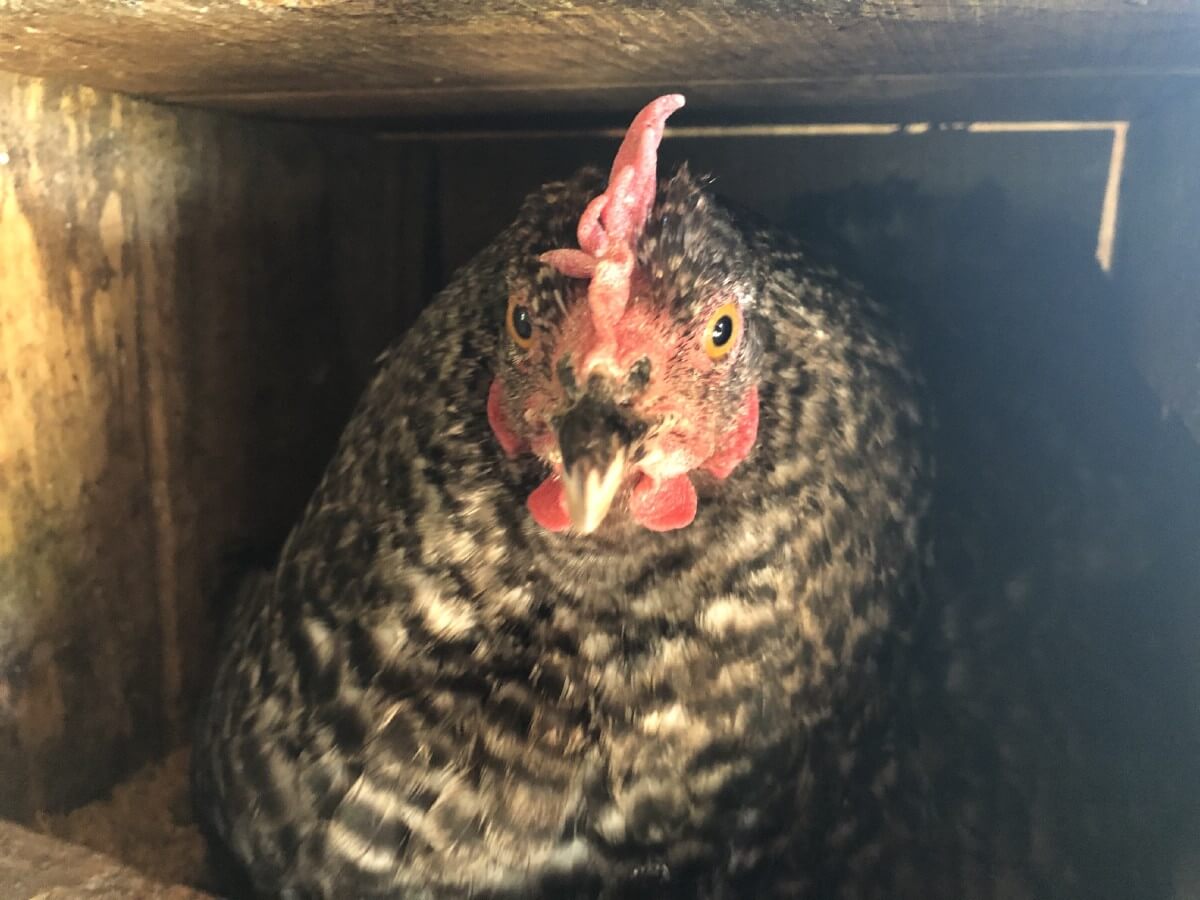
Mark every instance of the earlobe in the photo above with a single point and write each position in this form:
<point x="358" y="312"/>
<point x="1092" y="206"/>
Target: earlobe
<point x="510" y="443"/>
<point x="736" y="443"/>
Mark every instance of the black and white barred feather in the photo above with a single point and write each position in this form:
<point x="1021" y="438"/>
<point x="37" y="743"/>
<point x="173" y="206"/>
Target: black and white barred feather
<point x="432" y="697"/>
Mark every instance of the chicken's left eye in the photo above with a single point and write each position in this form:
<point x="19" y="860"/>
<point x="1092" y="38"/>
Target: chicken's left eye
<point x="520" y="324"/>
<point x="720" y="336"/>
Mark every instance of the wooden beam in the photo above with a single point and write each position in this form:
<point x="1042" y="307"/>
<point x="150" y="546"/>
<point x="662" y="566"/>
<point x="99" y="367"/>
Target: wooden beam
<point x="362" y="57"/>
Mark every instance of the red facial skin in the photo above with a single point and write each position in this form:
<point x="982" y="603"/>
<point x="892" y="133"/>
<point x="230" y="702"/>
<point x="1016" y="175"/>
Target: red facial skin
<point x="687" y="432"/>
<point x="617" y="326"/>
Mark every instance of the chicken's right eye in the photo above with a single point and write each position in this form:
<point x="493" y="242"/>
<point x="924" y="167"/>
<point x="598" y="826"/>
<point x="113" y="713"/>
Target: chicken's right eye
<point x="722" y="332"/>
<point x="520" y="324"/>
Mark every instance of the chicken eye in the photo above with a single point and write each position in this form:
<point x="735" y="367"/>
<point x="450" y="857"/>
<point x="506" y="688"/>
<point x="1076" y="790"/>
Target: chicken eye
<point x="722" y="331"/>
<point x="721" y="334"/>
<point x="520" y="324"/>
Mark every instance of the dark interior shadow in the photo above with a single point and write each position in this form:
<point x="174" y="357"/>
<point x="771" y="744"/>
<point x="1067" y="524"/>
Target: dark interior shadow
<point x="1064" y="535"/>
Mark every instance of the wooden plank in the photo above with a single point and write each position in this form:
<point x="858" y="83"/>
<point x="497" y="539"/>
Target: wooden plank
<point x="188" y="303"/>
<point x="40" y="867"/>
<point x="362" y="57"/>
<point x="1158" y="254"/>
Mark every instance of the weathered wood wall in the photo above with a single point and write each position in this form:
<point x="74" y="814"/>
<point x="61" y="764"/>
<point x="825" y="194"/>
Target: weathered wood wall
<point x="423" y="58"/>
<point x="188" y="307"/>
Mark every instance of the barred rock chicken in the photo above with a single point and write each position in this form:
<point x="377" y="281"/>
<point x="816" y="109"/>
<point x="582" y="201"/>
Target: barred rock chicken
<point x="606" y="592"/>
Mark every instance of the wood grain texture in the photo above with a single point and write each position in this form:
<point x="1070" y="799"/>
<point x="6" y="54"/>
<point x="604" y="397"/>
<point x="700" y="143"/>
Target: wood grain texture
<point x="367" y="57"/>
<point x="178" y="351"/>
<point x="42" y="868"/>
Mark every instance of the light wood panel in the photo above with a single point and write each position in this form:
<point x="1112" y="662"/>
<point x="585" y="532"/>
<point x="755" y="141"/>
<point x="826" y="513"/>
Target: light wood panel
<point x="188" y="307"/>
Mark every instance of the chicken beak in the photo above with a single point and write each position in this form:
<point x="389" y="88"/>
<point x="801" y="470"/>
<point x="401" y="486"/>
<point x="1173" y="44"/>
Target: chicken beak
<point x="590" y="490"/>
<point x="594" y="437"/>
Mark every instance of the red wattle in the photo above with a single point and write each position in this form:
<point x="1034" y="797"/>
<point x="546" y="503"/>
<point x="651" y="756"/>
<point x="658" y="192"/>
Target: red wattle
<point x="509" y="442"/>
<point x="737" y="443"/>
<point x="663" y="506"/>
<point x="548" y="505"/>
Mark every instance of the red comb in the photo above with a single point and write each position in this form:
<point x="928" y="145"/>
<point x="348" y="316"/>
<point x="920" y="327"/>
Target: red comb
<point x="612" y="223"/>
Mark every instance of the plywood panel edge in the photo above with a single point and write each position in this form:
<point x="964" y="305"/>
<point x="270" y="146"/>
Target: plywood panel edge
<point x="1158" y="252"/>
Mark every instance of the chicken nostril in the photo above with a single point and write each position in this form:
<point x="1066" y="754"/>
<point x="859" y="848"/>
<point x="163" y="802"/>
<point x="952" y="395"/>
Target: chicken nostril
<point x="639" y="375"/>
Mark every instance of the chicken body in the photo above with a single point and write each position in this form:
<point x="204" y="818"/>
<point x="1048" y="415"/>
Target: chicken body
<point x="435" y="696"/>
